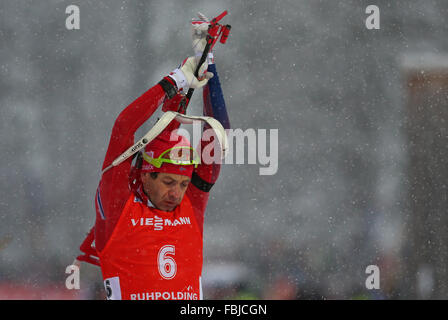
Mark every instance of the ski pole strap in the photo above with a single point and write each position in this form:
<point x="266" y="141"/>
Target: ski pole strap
<point x="160" y="125"/>
<point x="213" y="123"/>
<point x="140" y="144"/>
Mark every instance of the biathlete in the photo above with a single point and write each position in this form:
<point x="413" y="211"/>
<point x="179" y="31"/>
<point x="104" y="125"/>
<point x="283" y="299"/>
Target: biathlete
<point x="148" y="233"/>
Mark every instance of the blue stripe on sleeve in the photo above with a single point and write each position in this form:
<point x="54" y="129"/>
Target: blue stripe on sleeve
<point x="216" y="99"/>
<point x="100" y="205"/>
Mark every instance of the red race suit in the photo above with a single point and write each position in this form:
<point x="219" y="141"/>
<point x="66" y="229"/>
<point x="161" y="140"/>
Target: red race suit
<point x="145" y="253"/>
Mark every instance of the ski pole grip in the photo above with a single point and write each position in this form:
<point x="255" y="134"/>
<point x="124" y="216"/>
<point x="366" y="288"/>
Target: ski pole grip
<point x="204" y="56"/>
<point x="213" y="30"/>
<point x="201" y="61"/>
<point x="225" y="33"/>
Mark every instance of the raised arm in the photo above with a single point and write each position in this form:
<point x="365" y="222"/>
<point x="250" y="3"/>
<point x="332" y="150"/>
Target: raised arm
<point x="205" y="175"/>
<point x="113" y="189"/>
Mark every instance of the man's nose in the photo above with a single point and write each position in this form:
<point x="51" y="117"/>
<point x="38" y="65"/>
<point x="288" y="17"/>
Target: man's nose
<point x="174" y="193"/>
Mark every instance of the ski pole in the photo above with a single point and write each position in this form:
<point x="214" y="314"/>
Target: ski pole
<point x="215" y="30"/>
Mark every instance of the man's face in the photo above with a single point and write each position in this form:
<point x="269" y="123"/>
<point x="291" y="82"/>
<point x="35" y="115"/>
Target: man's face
<point x="166" y="191"/>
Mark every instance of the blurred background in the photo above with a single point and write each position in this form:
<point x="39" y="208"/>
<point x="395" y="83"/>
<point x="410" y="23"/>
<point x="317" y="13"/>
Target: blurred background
<point x="362" y="118"/>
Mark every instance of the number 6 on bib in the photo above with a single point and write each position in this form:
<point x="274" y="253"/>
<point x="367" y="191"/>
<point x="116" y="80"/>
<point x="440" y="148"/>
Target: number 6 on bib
<point x="167" y="265"/>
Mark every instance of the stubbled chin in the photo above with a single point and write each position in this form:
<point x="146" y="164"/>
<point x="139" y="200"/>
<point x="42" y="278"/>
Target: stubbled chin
<point x="168" y="208"/>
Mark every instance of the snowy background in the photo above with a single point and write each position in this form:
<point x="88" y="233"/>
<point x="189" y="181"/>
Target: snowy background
<point x="335" y="90"/>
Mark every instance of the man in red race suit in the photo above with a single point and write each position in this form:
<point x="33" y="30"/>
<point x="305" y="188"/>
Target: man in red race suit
<point x="148" y="233"/>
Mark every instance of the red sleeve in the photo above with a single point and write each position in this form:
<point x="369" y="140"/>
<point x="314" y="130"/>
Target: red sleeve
<point x="209" y="173"/>
<point x="113" y="190"/>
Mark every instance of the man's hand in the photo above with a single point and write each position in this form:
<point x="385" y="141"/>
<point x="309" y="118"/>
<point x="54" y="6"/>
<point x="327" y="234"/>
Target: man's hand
<point x="185" y="78"/>
<point x="199" y="31"/>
